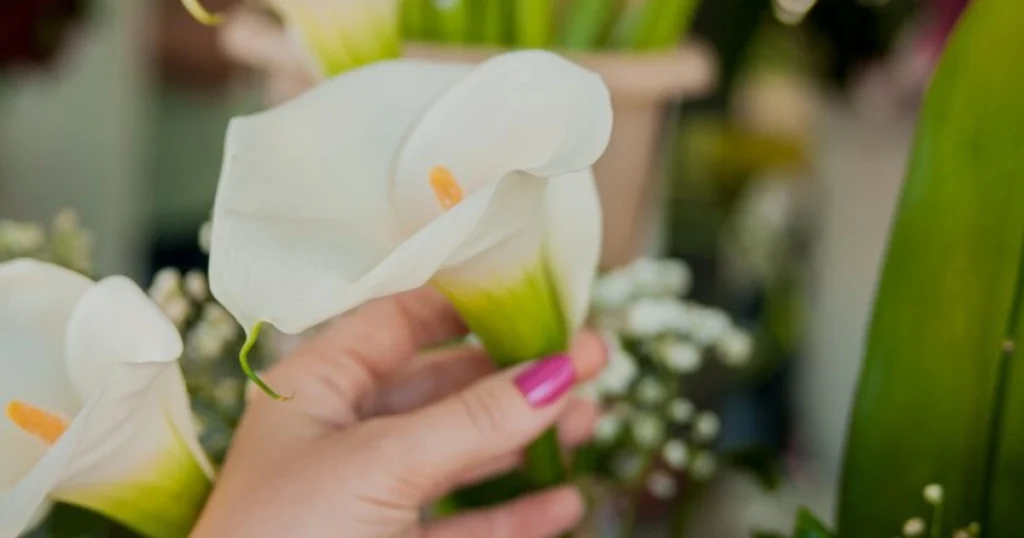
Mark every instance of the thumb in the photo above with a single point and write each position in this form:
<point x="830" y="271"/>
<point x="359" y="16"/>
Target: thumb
<point x="492" y="418"/>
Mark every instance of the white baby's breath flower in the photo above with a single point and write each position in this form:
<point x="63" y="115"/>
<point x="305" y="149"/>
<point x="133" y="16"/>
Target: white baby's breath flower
<point x="648" y="317"/>
<point x="195" y="286"/>
<point x="706" y="427"/>
<point x="21" y="237"/>
<point x="650" y="390"/>
<point x="678" y="355"/>
<point x="708" y="325"/>
<point x="612" y="291"/>
<point x="681" y="410"/>
<point x="226" y="392"/>
<point x="662" y="485"/>
<point x="933" y="494"/>
<point x="607" y="428"/>
<point x="627" y="466"/>
<point x="914" y="527"/>
<point x="735" y="347"/>
<point x="676" y="454"/>
<point x="648" y="429"/>
<point x="622" y="369"/>
<point x="166" y="285"/>
<point x="177" y="309"/>
<point x="659" y="277"/>
<point x="703" y="465"/>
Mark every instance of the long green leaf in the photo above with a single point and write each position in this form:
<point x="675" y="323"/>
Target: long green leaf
<point x="588" y="22"/>
<point x="930" y="384"/>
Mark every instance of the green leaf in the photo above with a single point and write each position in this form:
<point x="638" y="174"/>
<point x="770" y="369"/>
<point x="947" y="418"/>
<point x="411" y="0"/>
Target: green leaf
<point x="929" y="386"/>
<point x="534" y="23"/>
<point x="762" y="463"/>
<point x="660" y="24"/>
<point x="588" y="22"/>
<point x="809" y="526"/>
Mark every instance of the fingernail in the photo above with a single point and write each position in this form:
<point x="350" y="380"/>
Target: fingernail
<point x="547" y="380"/>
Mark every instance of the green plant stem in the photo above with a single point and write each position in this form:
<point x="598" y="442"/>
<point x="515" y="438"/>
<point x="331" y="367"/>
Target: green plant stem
<point x="453" y="22"/>
<point x="587" y="22"/>
<point x="489" y="17"/>
<point x="534" y="22"/>
<point x="1000" y="395"/>
<point x="544" y="466"/>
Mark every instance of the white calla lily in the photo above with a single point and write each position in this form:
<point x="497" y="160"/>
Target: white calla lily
<point x="96" y="412"/>
<point x="329" y="36"/>
<point x="474" y="178"/>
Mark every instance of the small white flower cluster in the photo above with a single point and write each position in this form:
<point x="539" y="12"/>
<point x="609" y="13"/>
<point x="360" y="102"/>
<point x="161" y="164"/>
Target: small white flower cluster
<point x="654" y="336"/>
<point x="208" y="328"/>
<point x="67" y="243"/>
<point x="645" y="277"/>
<point x="916" y="527"/>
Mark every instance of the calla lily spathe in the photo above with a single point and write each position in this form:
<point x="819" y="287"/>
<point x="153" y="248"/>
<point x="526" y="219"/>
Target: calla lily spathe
<point x="325" y="36"/>
<point x="96" y="412"/>
<point x="474" y="178"/>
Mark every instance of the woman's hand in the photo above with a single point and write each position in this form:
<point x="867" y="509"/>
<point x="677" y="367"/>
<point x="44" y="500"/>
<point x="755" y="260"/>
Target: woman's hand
<point x="376" y="431"/>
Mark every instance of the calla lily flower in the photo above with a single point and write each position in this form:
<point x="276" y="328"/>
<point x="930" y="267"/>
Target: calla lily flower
<point x="95" y="408"/>
<point x="475" y="179"/>
<point x="331" y="36"/>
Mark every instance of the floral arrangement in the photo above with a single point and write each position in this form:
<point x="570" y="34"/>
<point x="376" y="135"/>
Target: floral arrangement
<point x="649" y="439"/>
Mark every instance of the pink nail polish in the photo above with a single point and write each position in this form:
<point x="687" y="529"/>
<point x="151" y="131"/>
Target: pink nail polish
<point x="545" y="381"/>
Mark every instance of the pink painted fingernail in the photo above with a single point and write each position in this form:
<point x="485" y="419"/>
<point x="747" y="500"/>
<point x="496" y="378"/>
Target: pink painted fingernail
<point x="545" y="381"/>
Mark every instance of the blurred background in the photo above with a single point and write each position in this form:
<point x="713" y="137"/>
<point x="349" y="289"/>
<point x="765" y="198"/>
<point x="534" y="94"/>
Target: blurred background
<point x="777" y="155"/>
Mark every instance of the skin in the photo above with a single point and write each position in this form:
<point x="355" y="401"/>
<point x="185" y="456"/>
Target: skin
<point x="378" y="429"/>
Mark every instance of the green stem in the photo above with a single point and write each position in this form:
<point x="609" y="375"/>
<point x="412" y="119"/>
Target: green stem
<point x="544" y="466"/>
<point x="533" y="23"/>
<point x="1000" y="395"/>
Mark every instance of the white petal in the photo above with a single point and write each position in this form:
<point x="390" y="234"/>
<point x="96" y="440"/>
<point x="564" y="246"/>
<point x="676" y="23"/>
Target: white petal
<point x="572" y="212"/>
<point x="303" y="207"/>
<point x="36" y="300"/>
<point x="529" y="111"/>
<point x="114" y="323"/>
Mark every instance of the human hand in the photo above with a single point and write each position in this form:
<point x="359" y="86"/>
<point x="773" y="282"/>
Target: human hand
<point x="376" y="431"/>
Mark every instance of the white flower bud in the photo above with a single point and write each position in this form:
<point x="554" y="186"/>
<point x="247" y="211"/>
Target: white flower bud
<point x="21" y="237"/>
<point x="612" y="291"/>
<point x="621" y="370"/>
<point x="648" y="429"/>
<point x="703" y="465"/>
<point x="607" y="428"/>
<point x="680" y="356"/>
<point x="653" y="316"/>
<point x="933" y="493"/>
<point x="205" y="236"/>
<point x="659" y="277"/>
<point x="676" y="454"/>
<point x="650" y="391"/>
<point x="195" y="286"/>
<point x="166" y="285"/>
<point x="627" y="466"/>
<point x="735" y="347"/>
<point x="177" y="309"/>
<point x="914" y="527"/>
<point x="707" y="325"/>
<point x="706" y="427"/>
<point x="662" y="485"/>
<point x="681" y="410"/>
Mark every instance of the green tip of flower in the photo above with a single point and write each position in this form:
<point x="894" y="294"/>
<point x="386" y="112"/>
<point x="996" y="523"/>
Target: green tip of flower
<point x="243" y="359"/>
<point x="199" y="13"/>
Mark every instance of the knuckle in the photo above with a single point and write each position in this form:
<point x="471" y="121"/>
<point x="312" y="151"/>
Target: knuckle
<point x="484" y="411"/>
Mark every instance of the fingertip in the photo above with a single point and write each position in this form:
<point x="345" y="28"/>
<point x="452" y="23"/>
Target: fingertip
<point x="589" y="354"/>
